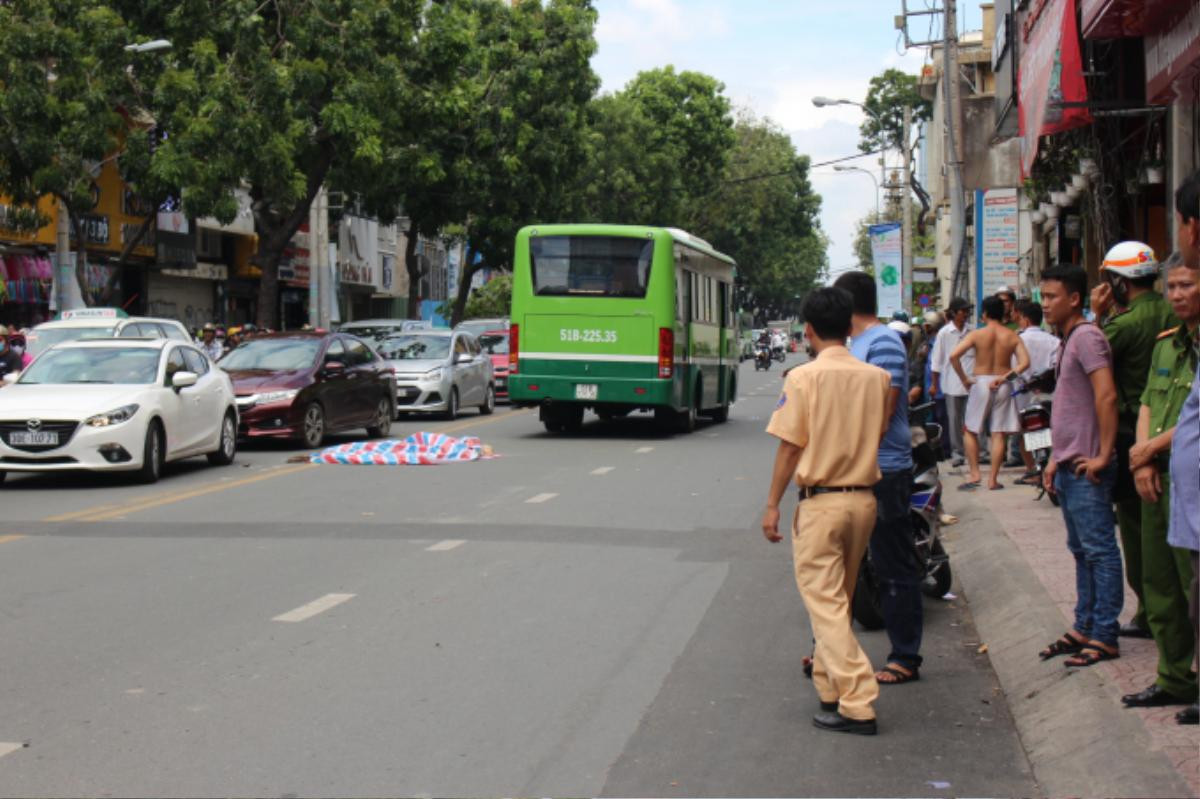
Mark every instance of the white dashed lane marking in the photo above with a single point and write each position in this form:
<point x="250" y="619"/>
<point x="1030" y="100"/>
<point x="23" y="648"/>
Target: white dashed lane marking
<point x="643" y="450"/>
<point x="540" y="498"/>
<point x="603" y="470"/>
<point x="313" y="608"/>
<point x="9" y="748"/>
<point x="445" y="546"/>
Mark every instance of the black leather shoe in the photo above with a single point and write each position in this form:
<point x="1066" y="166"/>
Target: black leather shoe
<point x="829" y="707"/>
<point x="1152" y="697"/>
<point x="1189" y="715"/>
<point x="836" y="722"/>
<point x="1132" y="630"/>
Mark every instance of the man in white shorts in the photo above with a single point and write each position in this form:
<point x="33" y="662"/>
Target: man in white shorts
<point x="989" y="397"/>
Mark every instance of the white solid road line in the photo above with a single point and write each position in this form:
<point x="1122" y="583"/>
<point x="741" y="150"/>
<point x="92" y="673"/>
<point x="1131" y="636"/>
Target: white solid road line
<point x="313" y="608"/>
<point x="8" y="748"/>
<point x="445" y="546"/>
<point x="540" y="498"/>
<point x="643" y="450"/>
<point x="603" y="470"/>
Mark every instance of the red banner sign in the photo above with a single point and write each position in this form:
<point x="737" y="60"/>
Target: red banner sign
<point x="1050" y="76"/>
<point x="1173" y="56"/>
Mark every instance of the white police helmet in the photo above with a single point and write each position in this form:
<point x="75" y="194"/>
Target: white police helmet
<point x="1131" y="259"/>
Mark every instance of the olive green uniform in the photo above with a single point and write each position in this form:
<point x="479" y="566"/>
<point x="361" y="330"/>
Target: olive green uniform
<point x="1132" y="334"/>
<point x="1167" y="571"/>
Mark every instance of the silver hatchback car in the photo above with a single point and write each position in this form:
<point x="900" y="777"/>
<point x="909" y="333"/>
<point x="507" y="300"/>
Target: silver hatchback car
<point x="439" y="371"/>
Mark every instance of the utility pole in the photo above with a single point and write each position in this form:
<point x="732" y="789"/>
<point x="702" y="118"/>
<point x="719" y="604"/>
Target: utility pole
<point x="322" y="260"/>
<point x="953" y="147"/>
<point x="314" y="285"/>
<point x="62" y="258"/>
<point x="906" y="243"/>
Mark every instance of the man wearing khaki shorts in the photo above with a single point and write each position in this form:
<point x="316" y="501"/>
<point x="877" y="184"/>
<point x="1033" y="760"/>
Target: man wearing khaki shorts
<point x="829" y="421"/>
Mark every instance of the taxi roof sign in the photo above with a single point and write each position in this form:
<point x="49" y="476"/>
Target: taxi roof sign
<point x="94" y="313"/>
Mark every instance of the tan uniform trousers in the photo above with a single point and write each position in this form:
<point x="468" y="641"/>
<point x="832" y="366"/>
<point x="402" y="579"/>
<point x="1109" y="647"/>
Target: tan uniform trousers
<point x="830" y="533"/>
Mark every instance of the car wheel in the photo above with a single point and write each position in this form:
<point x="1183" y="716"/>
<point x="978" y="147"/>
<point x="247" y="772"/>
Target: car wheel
<point x="452" y="405"/>
<point x="2" y="476"/>
<point x="383" y="419"/>
<point x="152" y="454"/>
<point x="489" y="402"/>
<point x="227" y="447"/>
<point x="313" y="432"/>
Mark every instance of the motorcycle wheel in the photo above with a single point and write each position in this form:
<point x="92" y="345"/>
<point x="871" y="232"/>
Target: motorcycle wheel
<point x="865" y="606"/>
<point x="937" y="583"/>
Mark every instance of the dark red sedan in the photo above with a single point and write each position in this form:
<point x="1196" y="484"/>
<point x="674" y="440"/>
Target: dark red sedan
<point x="304" y="385"/>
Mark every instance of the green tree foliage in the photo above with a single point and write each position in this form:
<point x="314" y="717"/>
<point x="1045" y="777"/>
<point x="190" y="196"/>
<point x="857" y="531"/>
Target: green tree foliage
<point x="492" y="299"/>
<point x="887" y="96"/>
<point x="65" y="99"/>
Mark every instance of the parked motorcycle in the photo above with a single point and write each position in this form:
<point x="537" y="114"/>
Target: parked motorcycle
<point x="762" y="357"/>
<point x="1035" y="422"/>
<point x="925" y="511"/>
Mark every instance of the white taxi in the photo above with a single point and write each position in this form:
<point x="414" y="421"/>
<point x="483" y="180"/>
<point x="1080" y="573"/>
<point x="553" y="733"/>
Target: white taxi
<point x="116" y="405"/>
<point x="101" y="323"/>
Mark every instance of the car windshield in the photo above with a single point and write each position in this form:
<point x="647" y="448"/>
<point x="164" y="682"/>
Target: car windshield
<point x="479" y="327"/>
<point x="371" y="331"/>
<point x="273" y="354"/>
<point x="592" y="266"/>
<point x="72" y="365"/>
<point x="41" y="340"/>
<point x="414" y="348"/>
<point x="494" y="344"/>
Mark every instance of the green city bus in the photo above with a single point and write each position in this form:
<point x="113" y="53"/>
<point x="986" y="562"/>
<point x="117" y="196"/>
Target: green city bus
<point x="619" y="318"/>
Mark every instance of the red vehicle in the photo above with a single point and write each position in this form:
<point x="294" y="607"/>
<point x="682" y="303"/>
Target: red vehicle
<point x="495" y="344"/>
<point x="303" y="385"/>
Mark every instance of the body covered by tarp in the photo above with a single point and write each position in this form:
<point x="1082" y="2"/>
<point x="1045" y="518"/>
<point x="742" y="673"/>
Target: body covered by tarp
<point x="419" y="449"/>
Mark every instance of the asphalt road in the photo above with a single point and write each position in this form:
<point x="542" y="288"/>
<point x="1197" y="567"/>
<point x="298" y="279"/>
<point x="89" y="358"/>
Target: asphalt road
<point x="595" y="614"/>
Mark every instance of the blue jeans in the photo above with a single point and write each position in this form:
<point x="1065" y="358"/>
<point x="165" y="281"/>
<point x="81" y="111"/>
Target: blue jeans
<point x="1092" y="538"/>
<point x="894" y="558"/>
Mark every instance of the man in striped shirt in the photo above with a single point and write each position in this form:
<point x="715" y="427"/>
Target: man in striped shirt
<point x="893" y="553"/>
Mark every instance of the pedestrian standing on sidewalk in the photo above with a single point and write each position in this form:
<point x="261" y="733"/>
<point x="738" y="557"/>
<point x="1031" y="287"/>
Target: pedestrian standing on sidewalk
<point x="1082" y="469"/>
<point x="1043" y="355"/>
<point x="1184" y="528"/>
<point x="945" y="379"/>
<point x="893" y="550"/>
<point x="1166" y="571"/>
<point x="829" y="420"/>
<point x="1132" y="314"/>
<point x="933" y="322"/>
<point x="990" y="401"/>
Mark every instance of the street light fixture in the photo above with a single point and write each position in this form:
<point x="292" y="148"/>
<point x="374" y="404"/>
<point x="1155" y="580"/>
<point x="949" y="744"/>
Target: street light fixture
<point x="822" y="102"/>
<point x="843" y="168"/>
<point x="149" y="47"/>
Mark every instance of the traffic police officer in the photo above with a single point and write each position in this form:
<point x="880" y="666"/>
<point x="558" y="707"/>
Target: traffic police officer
<point x="1136" y="314"/>
<point x="1166" y="571"/>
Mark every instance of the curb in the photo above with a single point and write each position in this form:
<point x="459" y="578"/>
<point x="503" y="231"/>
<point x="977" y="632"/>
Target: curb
<point x="1077" y="740"/>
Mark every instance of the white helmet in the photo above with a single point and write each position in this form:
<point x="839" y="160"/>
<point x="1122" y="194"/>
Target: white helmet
<point x="1131" y="259"/>
<point x="933" y="318"/>
<point x="901" y="327"/>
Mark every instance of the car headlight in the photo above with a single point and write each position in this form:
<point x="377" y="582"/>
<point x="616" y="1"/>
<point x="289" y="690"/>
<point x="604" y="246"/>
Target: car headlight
<point x="115" y="416"/>
<point x="433" y="374"/>
<point x="275" y="396"/>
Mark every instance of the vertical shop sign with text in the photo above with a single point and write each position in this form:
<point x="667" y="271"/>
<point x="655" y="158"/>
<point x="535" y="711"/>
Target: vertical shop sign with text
<point x="997" y="247"/>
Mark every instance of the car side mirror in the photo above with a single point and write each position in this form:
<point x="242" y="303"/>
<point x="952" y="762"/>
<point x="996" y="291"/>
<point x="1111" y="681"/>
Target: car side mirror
<point x="463" y="357"/>
<point x="181" y="380"/>
<point x="334" y="368"/>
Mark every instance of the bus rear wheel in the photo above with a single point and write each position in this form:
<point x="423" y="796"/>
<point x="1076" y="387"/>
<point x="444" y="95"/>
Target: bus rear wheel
<point x="563" y="418"/>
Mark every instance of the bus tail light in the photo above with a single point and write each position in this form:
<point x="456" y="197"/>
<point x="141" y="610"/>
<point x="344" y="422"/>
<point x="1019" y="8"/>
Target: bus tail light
<point x="666" y="352"/>
<point x="514" y="335"/>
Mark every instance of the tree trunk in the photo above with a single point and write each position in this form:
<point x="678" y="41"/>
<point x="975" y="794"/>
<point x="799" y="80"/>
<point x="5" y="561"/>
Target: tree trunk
<point x="81" y="261"/>
<point x="468" y="271"/>
<point x="267" y="316"/>
<point x="114" y="277"/>
<point x="413" y="266"/>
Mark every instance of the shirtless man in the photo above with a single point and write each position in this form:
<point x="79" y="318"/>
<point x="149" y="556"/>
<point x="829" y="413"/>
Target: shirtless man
<point x="990" y="392"/>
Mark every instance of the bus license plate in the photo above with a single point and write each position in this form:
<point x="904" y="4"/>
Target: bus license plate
<point x="1038" y="439"/>
<point x="586" y="391"/>
<point x="34" y="439"/>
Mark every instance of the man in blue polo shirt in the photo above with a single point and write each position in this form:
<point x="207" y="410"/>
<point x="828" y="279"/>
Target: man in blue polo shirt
<point x="893" y="554"/>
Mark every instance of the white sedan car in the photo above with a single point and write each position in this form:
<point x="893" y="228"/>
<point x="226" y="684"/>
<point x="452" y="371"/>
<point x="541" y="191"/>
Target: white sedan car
<point x="117" y="405"/>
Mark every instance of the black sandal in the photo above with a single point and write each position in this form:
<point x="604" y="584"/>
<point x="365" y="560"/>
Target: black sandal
<point x="1067" y="645"/>
<point x="900" y="677"/>
<point x="1090" y="655"/>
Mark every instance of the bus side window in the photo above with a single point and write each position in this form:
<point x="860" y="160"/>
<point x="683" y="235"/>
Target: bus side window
<point x="724" y="294"/>
<point x="696" y="317"/>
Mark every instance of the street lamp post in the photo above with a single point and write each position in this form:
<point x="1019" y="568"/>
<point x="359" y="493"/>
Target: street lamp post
<point x="842" y="168"/>
<point x="822" y="102"/>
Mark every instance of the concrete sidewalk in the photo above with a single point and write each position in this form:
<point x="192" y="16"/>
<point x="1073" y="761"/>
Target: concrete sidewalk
<point x="1010" y="556"/>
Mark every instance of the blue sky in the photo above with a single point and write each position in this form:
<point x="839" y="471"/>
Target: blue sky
<point x="774" y="56"/>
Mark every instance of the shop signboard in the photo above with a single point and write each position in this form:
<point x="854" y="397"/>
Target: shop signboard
<point x="1052" y="87"/>
<point x="885" y="254"/>
<point x="95" y="228"/>
<point x="997" y="248"/>
<point x="358" y="251"/>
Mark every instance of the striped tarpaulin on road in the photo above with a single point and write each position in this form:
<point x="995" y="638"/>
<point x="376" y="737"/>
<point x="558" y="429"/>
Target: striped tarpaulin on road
<point x="419" y="449"/>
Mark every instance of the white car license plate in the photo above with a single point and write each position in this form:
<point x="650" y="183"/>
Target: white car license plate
<point x="586" y="391"/>
<point x="40" y="439"/>
<point x="1038" y="439"/>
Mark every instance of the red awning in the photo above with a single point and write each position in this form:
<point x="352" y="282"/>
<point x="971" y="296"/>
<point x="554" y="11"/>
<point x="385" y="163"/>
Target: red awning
<point x="1050" y="76"/>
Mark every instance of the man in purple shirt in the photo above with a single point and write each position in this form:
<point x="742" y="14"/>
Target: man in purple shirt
<point x="1082" y="469"/>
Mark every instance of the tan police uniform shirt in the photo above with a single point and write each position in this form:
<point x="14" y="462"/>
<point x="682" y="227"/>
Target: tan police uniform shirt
<point x="833" y="409"/>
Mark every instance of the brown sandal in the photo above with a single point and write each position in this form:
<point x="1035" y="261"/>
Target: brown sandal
<point x="1067" y="645"/>
<point x="898" y="677"/>
<point x="1092" y="654"/>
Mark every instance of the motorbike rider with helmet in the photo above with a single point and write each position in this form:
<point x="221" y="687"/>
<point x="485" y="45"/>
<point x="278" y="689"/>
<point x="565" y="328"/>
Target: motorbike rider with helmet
<point x="1132" y="315"/>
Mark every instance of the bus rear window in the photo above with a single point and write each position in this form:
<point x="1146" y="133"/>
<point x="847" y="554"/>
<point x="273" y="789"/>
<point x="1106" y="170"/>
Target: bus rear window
<point x="590" y="266"/>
